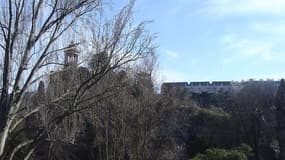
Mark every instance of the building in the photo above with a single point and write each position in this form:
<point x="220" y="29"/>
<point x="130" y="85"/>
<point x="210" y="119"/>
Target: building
<point x="207" y="87"/>
<point x="215" y="86"/>
<point x="63" y="81"/>
<point x="201" y="87"/>
<point x="170" y="86"/>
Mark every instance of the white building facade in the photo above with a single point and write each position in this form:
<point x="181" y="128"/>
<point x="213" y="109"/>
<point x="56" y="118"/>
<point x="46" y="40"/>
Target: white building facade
<point x="216" y="86"/>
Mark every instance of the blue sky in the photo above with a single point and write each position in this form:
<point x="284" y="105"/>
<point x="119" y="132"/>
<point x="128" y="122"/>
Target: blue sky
<point x="217" y="39"/>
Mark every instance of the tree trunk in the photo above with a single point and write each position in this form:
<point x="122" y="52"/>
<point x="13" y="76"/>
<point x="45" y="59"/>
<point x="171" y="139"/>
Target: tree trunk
<point x="4" y="137"/>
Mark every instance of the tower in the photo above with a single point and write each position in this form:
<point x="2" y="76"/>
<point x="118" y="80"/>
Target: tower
<point x="71" y="55"/>
<point x="99" y="60"/>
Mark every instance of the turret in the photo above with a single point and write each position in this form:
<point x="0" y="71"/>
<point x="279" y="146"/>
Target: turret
<point x="71" y="55"/>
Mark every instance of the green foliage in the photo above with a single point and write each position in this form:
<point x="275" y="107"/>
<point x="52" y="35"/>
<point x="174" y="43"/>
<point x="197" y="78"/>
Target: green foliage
<point x="244" y="148"/>
<point x="213" y="113"/>
<point x="208" y="129"/>
<point x="239" y="153"/>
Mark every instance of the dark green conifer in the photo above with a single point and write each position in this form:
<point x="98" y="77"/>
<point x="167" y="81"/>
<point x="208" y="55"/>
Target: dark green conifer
<point x="280" y="118"/>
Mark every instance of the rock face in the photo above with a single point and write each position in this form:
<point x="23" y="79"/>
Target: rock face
<point x="280" y="117"/>
<point x="63" y="84"/>
<point x="66" y="80"/>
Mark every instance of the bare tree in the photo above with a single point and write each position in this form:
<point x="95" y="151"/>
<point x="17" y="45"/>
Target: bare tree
<point x="253" y="111"/>
<point x="29" y="33"/>
<point x="280" y="119"/>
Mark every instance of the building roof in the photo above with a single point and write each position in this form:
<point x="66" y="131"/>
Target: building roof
<point x="71" y="49"/>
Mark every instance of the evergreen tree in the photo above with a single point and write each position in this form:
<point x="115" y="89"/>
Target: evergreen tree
<point x="280" y="118"/>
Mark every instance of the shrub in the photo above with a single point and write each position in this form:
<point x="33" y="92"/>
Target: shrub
<point x="239" y="153"/>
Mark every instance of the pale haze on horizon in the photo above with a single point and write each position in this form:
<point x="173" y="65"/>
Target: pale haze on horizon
<point x="217" y="39"/>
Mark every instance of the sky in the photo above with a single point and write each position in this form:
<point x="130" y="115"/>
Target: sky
<point x="208" y="40"/>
